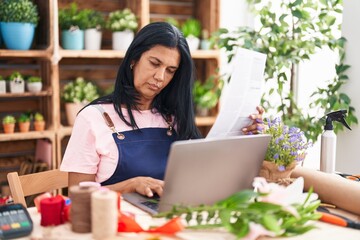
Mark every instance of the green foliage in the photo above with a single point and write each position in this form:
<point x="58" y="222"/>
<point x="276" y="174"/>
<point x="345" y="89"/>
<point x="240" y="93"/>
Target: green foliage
<point x="1" y="77"/>
<point x="122" y="20"/>
<point x="24" y="117"/>
<point x="207" y="94"/>
<point x="236" y="212"/>
<point x="23" y="11"/>
<point x="173" y="21"/>
<point x="33" y="79"/>
<point x="287" y="38"/>
<point x="80" y="91"/>
<point x="72" y="17"/>
<point x="191" y="27"/>
<point x="16" y="77"/>
<point x="95" y="19"/>
<point x="38" y="117"/>
<point x="9" y="119"/>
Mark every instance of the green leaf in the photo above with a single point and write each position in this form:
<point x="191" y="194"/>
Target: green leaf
<point x="271" y="223"/>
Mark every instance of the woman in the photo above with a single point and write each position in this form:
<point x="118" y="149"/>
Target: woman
<point x="151" y="107"/>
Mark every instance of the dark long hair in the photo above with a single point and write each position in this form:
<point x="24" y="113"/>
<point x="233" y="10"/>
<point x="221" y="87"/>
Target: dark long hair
<point x="175" y="98"/>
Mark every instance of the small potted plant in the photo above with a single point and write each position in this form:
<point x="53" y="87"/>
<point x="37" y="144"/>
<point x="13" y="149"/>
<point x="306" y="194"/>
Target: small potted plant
<point x="34" y="84"/>
<point x="39" y="122"/>
<point x="24" y="122"/>
<point x="206" y="95"/>
<point x="93" y="29"/>
<point x="2" y="85"/>
<point x="18" y="20"/>
<point x="122" y="23"/>
<point x="9" y="123"/>
<point x="72" y="24"/>
<point x="191" y="29"/>
<point x="17" y="83"/>
<point x="76" y="95"/>
<point x="286" y="149"/>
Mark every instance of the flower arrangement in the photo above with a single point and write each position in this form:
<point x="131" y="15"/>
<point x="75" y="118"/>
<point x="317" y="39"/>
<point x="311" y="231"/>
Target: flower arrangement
<point x="19" y="11"/>
<point x="80" y="91"/>
<point x="272" y="210"/>
<point x="287" y="144"/>
<point x="122" y="20"/>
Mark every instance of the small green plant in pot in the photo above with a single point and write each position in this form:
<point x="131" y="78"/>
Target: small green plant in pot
<point x="18" y="19"/>
<point x="122" y="23"/>
<point x="191" y="29"/>
<point x="206" y="95"/>
<point x="76" y="95"/>
<point x="72" y="23"/>
<point x="8" y="123"/>
<point x="34" y="84"/>
<point x="93" y="29"/>
<point x="24" y="122"/>
<point x="17" y="83"/>
<point x="39" y="122"/>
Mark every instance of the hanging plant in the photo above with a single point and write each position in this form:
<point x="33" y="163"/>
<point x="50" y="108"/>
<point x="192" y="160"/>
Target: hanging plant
<point x="289" y="34"/>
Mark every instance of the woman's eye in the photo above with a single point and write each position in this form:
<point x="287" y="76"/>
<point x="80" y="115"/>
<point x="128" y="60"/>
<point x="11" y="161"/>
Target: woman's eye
<point x="154" y="63"/>
<point x="171" y="71"/>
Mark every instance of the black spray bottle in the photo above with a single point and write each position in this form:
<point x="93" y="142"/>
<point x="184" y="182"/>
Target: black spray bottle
<point x="328" y="141"/>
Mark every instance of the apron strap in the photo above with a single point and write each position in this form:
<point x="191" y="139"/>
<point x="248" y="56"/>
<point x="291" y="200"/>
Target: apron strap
<point x="108" y="120"/>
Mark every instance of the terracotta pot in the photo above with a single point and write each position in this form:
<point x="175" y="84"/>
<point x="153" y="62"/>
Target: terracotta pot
<point x="72" y="110"/>
<point x="270" y="171"/>
<point x="9" y="127"/>
<point x="39" y="125"/>
<point x="24" y="126"/>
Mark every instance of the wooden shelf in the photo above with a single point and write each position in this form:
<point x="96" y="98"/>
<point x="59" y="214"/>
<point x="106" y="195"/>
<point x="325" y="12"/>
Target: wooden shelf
<point x="64" y="131"/>
<point x="205" y="54"/>
<point x="25" y="54"/>
<point x="205" y="121"/>
<point x="28" y="135"/>
<point x="27" y="94"/>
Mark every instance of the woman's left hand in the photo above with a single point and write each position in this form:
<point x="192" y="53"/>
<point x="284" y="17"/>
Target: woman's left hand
<point x="257" y="124"/>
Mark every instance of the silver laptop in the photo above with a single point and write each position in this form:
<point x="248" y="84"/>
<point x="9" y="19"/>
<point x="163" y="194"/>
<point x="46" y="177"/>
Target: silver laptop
<point x="204" y="171"/>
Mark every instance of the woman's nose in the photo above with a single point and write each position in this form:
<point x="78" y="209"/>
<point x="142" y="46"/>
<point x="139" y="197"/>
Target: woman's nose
<point x="160" y="74"/>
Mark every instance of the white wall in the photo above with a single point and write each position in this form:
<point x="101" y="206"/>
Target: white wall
<point x="348" y="152"/>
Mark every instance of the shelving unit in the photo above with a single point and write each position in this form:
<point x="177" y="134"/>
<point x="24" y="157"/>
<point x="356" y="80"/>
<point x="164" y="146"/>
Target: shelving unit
<point x="57" y="66"/>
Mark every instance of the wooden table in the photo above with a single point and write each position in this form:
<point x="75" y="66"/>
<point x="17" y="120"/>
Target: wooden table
<point x="63" y="232"/>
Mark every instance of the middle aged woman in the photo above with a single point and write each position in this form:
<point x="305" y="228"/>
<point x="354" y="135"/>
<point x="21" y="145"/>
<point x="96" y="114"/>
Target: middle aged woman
<point x="122" y="140"/>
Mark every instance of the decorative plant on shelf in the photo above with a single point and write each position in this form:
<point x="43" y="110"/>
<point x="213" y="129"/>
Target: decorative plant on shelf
<point x="272" y="210"/>
<point x="17" y="83"/>
<point x="289" y="35"/>
<point x="191" y="29"/>
<point x="76" y="95"/>
<point x="122" y="23"/>
<point x="39" y="122"/>
<point x="93" y="29"/>
<point x="2" y="85"/>
<point x="286" y="149"/>
<point x="18" y="20"/>
<point x="72" y="24"/>
<point x="206" y="95"/>
<point x="24" y="122"/>
<point x="34" y="84"/>
<point x="8" y="123"/>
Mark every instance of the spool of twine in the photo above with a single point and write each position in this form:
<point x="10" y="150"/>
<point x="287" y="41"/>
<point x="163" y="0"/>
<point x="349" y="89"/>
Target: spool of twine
<point x="104" y="213"/>
<point x="52" y="211"/>
<point x="80" y="212"/>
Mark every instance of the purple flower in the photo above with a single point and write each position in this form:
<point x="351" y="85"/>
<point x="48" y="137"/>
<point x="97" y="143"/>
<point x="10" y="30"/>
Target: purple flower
<point x="281" y="168"/>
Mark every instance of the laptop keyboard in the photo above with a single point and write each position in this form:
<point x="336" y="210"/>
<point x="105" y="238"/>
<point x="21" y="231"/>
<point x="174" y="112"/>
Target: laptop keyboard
<point x="152" y="205"/>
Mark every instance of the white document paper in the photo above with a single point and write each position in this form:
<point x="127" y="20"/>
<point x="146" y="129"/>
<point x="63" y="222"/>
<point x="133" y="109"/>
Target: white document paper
<point x="243" y="94"/>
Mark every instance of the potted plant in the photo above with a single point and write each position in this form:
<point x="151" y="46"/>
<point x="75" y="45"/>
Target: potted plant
<point x="76" y="95"/>
<point x="93" y="29"/>
<point x="18" y="19"/>
<point x="9" y="123"/>
<point x="39" y="122"/>
<point x="122" y="23"/>
<point x="191" y="29"/>
<point x="17" y="83"/>
<point x="72" y="24"/>
<point x="2" y="85"/>
<point x="24" y="122"/>
<point x="34" y="84"/>
<point x="206" y="95"/>
<point x="286" y="149"/>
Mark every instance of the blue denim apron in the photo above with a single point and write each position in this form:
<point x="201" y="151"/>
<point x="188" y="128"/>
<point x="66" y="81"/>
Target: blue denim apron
<point x="142" y="152"/>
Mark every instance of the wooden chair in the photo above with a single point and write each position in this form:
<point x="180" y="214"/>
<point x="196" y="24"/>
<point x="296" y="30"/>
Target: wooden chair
<point x="30" y="184"/>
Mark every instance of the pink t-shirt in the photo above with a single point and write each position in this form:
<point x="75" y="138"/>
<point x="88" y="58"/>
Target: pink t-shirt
<point x="92" y="149"/>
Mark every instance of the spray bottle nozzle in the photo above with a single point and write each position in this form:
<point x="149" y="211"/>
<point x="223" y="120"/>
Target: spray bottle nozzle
<point x="336" y="116"/>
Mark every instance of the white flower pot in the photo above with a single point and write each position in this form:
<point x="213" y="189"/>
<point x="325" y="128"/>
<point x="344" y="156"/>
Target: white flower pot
<point x="193" y="43"/>
<point x="122" y="40"/>
<point x="72" y="110"/>
<point x="17" y="86"/>
<point x="34" y="87"/>
<point x="2" y="86"/>
<point x="93" y="39"/>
